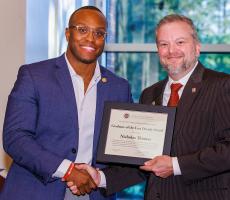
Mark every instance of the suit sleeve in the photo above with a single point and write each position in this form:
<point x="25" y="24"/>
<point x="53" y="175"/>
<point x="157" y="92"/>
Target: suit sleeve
<point x="215" y="159"/>
<point x="118" y="178"/>
<point x="19" y="131"/>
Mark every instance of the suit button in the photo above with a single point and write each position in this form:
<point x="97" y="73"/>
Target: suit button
<point x="73" y="150"/>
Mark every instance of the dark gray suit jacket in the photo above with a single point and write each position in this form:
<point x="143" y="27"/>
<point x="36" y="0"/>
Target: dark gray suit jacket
<point x="201" y="141"/>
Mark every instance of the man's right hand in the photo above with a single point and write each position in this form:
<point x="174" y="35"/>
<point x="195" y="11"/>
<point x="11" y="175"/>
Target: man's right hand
<point x="82" y="180"/>
<point x="95" y="175"/>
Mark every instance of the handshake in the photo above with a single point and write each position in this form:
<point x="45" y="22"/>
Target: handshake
<point x="82" y="178"/>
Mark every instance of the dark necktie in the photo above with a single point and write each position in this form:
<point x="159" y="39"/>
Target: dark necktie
<point x="174" y="96"/>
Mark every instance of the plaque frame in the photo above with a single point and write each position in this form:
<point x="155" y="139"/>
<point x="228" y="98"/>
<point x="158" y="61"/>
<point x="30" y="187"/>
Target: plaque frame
<point x="130" y="160"/>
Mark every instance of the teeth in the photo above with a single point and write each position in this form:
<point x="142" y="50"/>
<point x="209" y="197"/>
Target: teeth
<point x="89" y="48"/>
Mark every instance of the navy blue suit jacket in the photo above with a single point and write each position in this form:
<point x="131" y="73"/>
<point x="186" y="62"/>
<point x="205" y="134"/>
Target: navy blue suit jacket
<point x="41" y="127"/>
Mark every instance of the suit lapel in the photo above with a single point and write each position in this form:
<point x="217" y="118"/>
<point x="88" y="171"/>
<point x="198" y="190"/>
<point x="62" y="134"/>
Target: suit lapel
<point x="189" y="95"/>
<point x="66" y="85"/>
<point x="158" y="97"/>
<point x="102" y="93"/>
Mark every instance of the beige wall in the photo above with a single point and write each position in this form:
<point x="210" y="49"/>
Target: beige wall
<point x="12" y="54"/>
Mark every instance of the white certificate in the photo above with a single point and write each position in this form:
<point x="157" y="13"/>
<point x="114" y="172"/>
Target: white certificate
<point x="136" y="134"/>
<point x="133" y="133"/>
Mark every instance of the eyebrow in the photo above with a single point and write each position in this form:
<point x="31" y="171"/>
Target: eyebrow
<point x="179" y="38"/>
<point x="83" y="24"/>
<point x="183" y="38"/>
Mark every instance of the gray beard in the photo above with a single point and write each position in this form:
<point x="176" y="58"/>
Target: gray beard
<point x="175" y="70"/>
<point x="183" y="67"/>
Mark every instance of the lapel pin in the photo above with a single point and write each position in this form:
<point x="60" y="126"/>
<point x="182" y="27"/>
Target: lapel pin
<point x="104" y="80"/>
<point x="193" y="90"/>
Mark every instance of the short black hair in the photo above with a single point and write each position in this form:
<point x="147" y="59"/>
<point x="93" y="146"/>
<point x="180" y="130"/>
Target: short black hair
<point x="86" y="8"/>
<point x="89" y="8"/>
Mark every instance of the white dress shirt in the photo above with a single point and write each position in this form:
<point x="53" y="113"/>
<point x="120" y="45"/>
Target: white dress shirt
<point x="166" y="95"/>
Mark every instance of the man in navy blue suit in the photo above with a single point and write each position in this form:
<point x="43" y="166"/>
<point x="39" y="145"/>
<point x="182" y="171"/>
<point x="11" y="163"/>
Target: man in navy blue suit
<point x="54" y="114"/>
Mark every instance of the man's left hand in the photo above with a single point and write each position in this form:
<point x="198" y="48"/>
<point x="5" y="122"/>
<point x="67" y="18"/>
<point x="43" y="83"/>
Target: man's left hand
<point x="160" y="165"/>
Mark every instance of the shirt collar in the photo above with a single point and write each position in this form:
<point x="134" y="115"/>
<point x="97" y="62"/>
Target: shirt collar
<point x="96" y="76"/>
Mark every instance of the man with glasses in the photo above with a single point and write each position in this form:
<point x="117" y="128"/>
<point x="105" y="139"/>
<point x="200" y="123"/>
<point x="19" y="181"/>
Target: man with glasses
<point x="54" y="114"/>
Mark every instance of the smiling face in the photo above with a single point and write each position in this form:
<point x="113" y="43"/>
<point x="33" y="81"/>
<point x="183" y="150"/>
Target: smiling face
<point x="85" y="48"/>
<point x="177" y="49"/>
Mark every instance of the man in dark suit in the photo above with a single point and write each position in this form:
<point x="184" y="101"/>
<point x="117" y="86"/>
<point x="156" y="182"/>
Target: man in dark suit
<point x="198" y="167"/>
<point x="54" y="114"/>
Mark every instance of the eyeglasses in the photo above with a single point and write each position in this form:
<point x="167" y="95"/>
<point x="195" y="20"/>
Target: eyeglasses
<point x="84" y="31"/>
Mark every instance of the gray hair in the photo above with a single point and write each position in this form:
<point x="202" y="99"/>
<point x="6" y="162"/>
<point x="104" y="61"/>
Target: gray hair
<point x="178" y="18"/>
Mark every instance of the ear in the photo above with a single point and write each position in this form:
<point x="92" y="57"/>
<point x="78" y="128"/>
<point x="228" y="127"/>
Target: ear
<point x="198" y="47"/>
<point x="67" y="34"/>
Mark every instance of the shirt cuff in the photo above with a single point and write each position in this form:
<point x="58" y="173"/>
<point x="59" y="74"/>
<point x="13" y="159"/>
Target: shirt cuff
<point x="3" y="173"/>
<point x="102" y="183"/>
<point x="62" y="169"/>
<point x="176" y="167"/>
